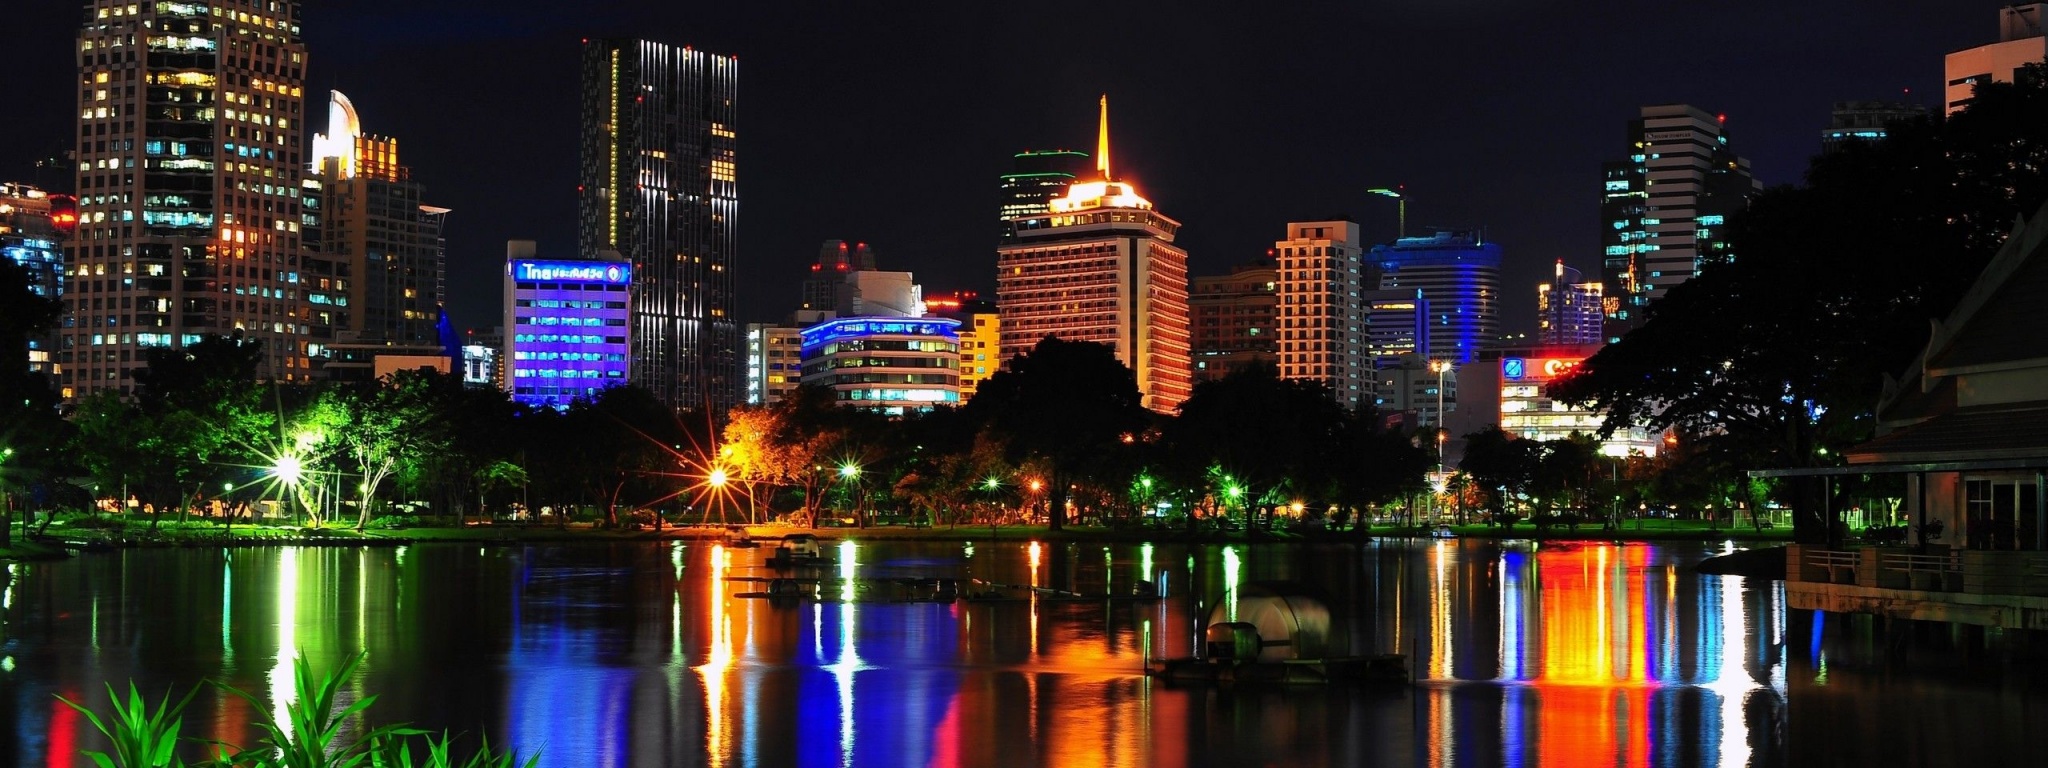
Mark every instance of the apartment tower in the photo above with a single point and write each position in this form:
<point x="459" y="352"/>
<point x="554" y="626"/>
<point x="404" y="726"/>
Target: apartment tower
<point x="189" y="160"/>
<point x="660" y="187"/>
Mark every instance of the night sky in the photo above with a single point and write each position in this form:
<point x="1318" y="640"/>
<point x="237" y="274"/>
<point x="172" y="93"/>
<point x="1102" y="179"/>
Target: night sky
<point x="889" y="122"/>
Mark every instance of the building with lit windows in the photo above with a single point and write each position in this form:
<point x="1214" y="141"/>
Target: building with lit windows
<point x="1526" y="411"/>
<point x="1322" y="322"/>
<point x="33" y="226"/>
<point x="366" y="230"/>
<point x="891" y="365"/>
<point x="980" y="336"/>
<point x="1664" y="210"/>
<point x="483" y="351"/>
<point x="370" y="215"/>
<point x="774" y="362"/>
<point x="1100" y="266"/>
<point x="1399" y="325"/>
<point x="1568" y="309"/>
<point x="189" y="159"/>
<point x="660" y="185"/>
<point x="1458" y="275"/>
<point x="1036" y="177"/>
<point x="568" y="326"/>
<point x="1234" y="318"/>
<point x="2020" y="42"/>
<point x="1865" y="121"/>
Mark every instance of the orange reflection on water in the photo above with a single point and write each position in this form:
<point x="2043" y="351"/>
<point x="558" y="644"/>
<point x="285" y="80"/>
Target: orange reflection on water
<point x="717" y="660"/>
<point x="1593" y="687"/>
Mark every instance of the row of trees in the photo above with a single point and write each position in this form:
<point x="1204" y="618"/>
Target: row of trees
<point x="1061" y="429"/>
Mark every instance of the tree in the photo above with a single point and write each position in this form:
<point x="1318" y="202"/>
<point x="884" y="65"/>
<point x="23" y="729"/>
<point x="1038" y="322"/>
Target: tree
<point x="1779" y="350"/>
<point x="31" y="434"/>
<point x="391" y="426"/>
<point x="1277" y="440"/>
<point x="1501" y="464"/>
<point x="1070" y="404"/>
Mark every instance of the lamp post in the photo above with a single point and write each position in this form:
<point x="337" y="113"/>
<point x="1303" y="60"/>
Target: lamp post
<point x="1440" y="367"/>
<point x="1402" y="205"/>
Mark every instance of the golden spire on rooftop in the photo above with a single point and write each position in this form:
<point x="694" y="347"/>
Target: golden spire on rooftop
<point x="1102" y="141"/>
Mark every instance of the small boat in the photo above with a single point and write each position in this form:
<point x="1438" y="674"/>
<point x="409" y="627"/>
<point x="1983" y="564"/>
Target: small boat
<point x="797" y="549"/>
<point x="1278" y="633"/>
<point x="1442" y="531"/>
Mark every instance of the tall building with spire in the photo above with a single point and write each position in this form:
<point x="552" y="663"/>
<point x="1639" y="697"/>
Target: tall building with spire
<point x="1100" y="265"/>
<point x="368" y="230"/>
<point x="1664" y="210"/>
<point x="189" y="162"/>
<point x="1036" y="177"/>
<point x="660" y="186"/>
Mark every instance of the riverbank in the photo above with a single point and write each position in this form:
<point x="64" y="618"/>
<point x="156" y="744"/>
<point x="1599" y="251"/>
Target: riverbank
<point x="190" y="534"/>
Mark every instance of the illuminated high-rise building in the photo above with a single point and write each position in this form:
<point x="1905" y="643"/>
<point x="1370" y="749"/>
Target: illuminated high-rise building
<point x="365" y="221"/>
<point x="836" y="260"/>
<point x="1568" y="309"/>
<point x="660" y="186"/>
<point x="2020" y="42"/>
<point x="1458" y="275"/>
<point x="1323" y="334"/>
<point x="1234" y="319"/>
<point x="1101" y="266"/>
<point x="189" y="160"/>
<point x="1664" y="210"/>
<point x="1036" y="177"/>
<point x="33" y="226"/>
<point x="980" y="336"/>
<point x="774" y="362"/>
<point x="568" y="327"/>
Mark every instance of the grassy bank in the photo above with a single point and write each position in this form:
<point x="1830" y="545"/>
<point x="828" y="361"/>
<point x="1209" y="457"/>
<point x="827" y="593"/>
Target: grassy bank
<point x="108" y="533"/>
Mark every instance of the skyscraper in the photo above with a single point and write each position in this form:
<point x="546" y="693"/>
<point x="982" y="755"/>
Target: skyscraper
<point x="1036" y="177"/>
<point x="1235" y="319"/>
<point x="1665" y="209"/>
<point x="660" y="187"/>
<point x="835" y="261"/>
<point x="2020" y="43"/>
<point x="1568" y="309"/>
<point x="1323" y="334"/>
<point x="568" y="326"/>
<point x="1457" y="274"/>
<point x="1101" y="266"/>
<point x="189" y="162"/>
<point x="363" y="213"/>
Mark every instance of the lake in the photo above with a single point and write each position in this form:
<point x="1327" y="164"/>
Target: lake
<point x="645" y="654"/>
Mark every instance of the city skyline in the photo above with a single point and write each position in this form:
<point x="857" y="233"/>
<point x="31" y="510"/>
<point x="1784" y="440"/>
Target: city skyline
<point x="509" y="162"/>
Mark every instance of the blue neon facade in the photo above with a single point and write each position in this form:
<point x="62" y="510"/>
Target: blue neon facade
<point x="567" y="328"/>
<point x="889" y="364"/>
<point x="1458" y="275"/>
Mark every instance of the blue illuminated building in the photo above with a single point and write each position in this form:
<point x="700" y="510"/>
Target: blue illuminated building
<point x="892" y="365"/>
<point x="1456" y="275"/>
<point x="566" y="327"/>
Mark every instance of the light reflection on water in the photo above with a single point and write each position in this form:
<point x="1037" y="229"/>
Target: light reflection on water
<point x="644" y="654"/>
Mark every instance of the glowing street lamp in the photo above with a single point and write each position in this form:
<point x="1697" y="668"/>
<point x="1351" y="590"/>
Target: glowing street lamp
<point x="1036" y="485"/>
<point x="288" y="469"/>
<point x="717" y="478"/>
<point x="849" y="470"/>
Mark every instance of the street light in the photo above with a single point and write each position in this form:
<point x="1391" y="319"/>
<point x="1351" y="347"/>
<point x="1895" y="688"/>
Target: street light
<point x="717" y="478"/>
<point x="1394" y="193"/>
<point x="849" y="470"/>
<point x="288" y="469"/>
<point x="1440" y="367"/>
